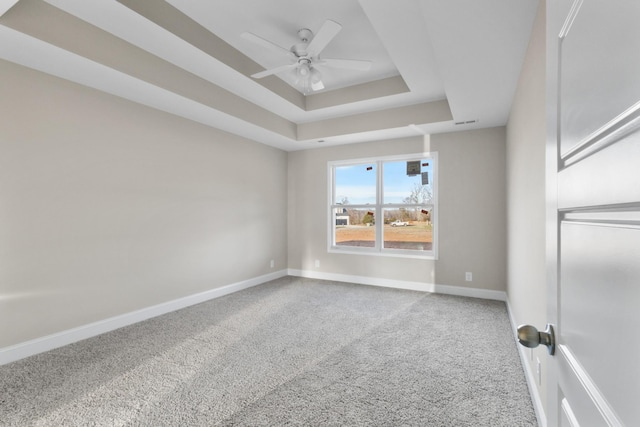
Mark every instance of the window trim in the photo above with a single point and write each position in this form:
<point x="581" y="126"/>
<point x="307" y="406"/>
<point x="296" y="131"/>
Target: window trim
<point x="379" y="206"/>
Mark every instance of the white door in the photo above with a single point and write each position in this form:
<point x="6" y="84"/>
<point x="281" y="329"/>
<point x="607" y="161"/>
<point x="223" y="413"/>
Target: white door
<point x="593" y="147"/>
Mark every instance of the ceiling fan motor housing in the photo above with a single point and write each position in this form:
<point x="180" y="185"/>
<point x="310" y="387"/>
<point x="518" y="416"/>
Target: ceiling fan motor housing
<point x="300" y="49"/>
<point x="305" y="34"/>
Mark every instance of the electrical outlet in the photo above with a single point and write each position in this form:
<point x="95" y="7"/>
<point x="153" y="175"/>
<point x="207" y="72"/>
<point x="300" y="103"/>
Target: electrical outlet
<point x="539" y="370"/>
<point x="468" y="276"/>
<point x="317" y="263"/>
<point x="272" y="264"/>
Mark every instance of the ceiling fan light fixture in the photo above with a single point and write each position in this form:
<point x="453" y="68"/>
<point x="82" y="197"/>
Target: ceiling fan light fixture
<point x="308" y="78"/>
<point x="316" y="80"/>
<point x="314" y="75"/>
<point x="317" y="86"/>
<point x="304" y="70"/>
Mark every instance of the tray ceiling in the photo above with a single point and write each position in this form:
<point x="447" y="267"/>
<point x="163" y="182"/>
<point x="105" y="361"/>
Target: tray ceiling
<point x="435" y="63"/>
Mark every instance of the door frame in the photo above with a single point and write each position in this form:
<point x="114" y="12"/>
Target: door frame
<point x="552" y="157"/>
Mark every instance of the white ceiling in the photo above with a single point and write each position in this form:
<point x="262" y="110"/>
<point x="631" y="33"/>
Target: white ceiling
<point x="435" y="62"/>
<point x="279" y="21"/>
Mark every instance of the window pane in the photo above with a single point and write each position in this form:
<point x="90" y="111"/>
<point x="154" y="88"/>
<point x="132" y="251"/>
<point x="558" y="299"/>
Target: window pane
<point x="355" y="185"/>
<point x="408" y="228"/>
<point x="355" y="227"/>
<point x="402" y="207"/>
<point x="412" y="189"/>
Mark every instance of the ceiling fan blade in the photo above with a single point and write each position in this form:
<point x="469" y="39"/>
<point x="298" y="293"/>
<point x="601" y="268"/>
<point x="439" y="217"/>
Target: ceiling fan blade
<point x="272" y="71"/>
<point x="323" y="37"/>
<point x="265" y="43"/>
<point x="351" y="64"/>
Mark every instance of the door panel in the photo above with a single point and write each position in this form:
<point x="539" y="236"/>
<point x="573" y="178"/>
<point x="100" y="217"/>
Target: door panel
<point x="594" y="280"/>
<point x="582" y="411"/>
<point x="599" y="300"/>
<point x="605" y="177"/>
<point x="567" y="417"/>
<point x="596" y="64"/>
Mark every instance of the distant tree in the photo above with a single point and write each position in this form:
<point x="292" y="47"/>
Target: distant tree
<point x="367" y="219"/>
<point x="356" y="216"/>
<point x="406" y="215"/>
<point x="420" y="194"/>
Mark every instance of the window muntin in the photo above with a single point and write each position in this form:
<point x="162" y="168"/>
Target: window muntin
<point x="403" y="196"/>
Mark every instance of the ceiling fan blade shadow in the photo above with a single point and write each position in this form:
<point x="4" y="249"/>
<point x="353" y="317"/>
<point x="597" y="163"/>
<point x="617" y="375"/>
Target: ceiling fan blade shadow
<point x="351" y="64"/>
<point x="323" y="37"/>
<point x="266" y="44"/>
<point x="272" y="71"/>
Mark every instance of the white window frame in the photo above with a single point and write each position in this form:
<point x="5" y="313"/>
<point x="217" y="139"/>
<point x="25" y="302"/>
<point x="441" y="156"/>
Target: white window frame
<point x="379" y="206"/>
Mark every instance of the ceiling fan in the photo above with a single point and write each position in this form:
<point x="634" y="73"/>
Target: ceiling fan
<point x="304" y="56"/>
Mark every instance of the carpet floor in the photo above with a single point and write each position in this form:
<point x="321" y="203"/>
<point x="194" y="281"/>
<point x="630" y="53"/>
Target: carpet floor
<point x="290" y="352"/>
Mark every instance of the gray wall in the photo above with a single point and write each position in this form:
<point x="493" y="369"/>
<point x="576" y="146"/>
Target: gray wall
<point x="107" y="206"/>
<point x="526" y="194"/>
<point x="472" y="211"/>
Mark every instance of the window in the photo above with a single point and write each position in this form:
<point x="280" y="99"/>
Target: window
<point x="384" y="206"/>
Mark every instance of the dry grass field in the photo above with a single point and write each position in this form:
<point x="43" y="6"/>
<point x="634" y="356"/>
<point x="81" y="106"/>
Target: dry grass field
<point x="417" y="235"/>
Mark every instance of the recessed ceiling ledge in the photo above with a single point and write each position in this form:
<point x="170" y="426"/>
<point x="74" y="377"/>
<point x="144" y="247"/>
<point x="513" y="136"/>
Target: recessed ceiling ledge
<point x="179" y="24"/>
<point x="6" y="5"/>
<point x="365" y="91"/>
<point x="425" y="113"/>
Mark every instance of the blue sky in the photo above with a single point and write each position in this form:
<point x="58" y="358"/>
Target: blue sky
<point x="359" y="185"/>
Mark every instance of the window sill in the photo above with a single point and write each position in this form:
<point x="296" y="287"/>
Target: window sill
<point x="427" y="255"/>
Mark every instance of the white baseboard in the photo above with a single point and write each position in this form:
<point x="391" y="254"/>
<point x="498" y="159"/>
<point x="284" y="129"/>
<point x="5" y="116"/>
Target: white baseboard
<point x="50" y="342"/>
<point x="399" y="284"/>
<point x="528" y="373"/>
